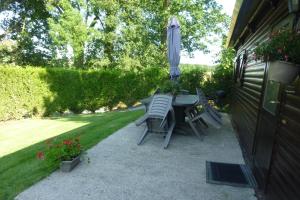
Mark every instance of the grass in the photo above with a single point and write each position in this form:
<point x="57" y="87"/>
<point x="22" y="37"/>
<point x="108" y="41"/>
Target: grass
<point x="21" y="169"/>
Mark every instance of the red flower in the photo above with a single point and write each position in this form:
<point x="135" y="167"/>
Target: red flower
<point x="67" y="142"/>
<point x="40" y="155"/>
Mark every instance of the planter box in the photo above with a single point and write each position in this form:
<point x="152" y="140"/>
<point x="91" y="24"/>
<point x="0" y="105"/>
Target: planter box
<point x="67" y="166"/>
<point x="283" y="72"/>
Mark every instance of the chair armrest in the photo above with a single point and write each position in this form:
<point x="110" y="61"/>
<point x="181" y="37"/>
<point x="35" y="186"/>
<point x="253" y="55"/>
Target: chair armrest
<point x="141" y="120"/>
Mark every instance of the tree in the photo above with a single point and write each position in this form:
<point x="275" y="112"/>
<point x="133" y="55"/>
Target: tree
<point x="8" y="49"/>
<point x="199" y="19"/>
<point x="111" y="33"/>
<point x="28" y="27"/>
<point x="68" y="29"/>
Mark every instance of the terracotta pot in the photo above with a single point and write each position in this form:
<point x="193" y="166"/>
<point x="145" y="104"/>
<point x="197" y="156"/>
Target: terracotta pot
<point x="67" y="166"/>
<point x="284" y="72"/>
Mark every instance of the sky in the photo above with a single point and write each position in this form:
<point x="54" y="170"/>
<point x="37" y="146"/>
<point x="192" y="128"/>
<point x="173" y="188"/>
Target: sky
<point x="208" y="59"/>
<point x="199" y="57"/>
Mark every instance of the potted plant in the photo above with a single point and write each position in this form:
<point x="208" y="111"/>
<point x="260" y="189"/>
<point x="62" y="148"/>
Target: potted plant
<point x="65" y="153"/>
<point x="282" y="50"/>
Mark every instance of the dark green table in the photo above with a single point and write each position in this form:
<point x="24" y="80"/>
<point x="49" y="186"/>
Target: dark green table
<point x="180" y="100"/>
<point x="179" y="104"/>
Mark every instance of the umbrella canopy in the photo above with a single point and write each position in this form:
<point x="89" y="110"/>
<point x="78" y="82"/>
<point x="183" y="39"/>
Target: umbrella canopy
<point x="173" y="38"/>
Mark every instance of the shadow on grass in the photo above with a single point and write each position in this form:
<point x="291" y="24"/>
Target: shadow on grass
<point x="22" y="169"/>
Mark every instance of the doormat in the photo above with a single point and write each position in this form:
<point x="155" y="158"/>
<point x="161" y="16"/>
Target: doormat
<point x="229" y="174"/>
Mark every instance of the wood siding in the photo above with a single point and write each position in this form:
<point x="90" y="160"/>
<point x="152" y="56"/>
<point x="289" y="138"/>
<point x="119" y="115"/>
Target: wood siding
<point x="281" y="180"/>
<point x="246" y="103"/>
<point x="284" y="182"/>
<point x="248" y="95"/>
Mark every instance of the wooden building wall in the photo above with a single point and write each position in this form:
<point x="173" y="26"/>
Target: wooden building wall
<point x="248" y="91"/>
<point x="284" y="182"/>
<point x="275" y="158"/>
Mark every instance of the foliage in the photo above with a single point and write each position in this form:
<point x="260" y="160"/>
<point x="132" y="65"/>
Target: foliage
<point x="59" y="90"/>
<point x="221" y="78"/>
<point x="106" y="34"/>
<point x="27" y="27"/>
<point x="8" y="49"/>
<point x="282" y="45"/>
<point x="58" y="151"/>
<point x="170" y="86"/>
<point x="56" y="90"/>
<point x="222" y="74"/>
<point x="204" y="67"/>
<point x="192" y="78"/>
<point x="14" y="167"/>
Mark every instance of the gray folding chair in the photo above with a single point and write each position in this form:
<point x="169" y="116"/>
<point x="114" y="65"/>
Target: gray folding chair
<point x="197" y="117"/>
<point x="157" y="119"/>
<point x="211" y="112"/>
<point x="194" y="120"/>
<point x="157" y="91"/>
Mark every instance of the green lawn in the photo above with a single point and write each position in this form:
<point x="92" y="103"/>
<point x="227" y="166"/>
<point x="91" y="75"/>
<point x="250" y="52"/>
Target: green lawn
<point x="21" y="169"/>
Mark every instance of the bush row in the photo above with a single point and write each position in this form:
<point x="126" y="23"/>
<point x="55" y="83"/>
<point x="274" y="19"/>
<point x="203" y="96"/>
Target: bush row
<point x="31" y="91"/>
<point x="43" y="91"/>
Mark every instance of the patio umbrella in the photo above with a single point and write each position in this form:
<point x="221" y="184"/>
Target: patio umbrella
<point x="173" y="38"/>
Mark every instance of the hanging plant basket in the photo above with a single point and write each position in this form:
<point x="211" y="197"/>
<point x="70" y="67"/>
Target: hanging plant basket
<point x="283" y="72"/>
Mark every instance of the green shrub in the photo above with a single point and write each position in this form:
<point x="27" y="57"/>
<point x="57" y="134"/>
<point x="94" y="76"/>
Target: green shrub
<point x="28" y="91"/>
<point x="22" y="92"/>
<point x="170" y="86"/>
<point x="32" y="91"/>
<point x="192" y="78"/>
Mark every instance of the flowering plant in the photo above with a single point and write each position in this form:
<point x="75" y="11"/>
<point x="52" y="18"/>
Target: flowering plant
<point x="282" y="45"/>
<point x="57" y="151"/>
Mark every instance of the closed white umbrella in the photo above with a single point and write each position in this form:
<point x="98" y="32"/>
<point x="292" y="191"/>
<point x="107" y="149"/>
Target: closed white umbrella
<point x="173" y="38"/>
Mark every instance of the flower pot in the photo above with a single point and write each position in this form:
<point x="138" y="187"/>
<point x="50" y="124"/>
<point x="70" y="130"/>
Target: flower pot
<point x="67" y="166"/>
<point x="284" y="72"/>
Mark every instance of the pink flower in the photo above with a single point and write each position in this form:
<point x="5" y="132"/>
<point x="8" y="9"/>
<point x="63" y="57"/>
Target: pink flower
<point x="286" y="57"/>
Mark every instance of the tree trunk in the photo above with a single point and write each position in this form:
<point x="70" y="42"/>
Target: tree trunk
<point x="79" y="58"/>
<point x="109" y="42"/>
<point x="163" y="39"/>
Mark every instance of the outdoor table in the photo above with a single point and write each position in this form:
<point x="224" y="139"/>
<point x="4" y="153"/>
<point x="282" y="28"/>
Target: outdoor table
<point x="179" y="103"/>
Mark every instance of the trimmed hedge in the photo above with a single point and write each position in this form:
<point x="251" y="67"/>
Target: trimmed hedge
<point x="27" y="92"/>
<point x="31" y="91"/>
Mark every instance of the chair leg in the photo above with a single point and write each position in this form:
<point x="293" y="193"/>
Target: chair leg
<point x="145" y="133"/>
<point x="203" y="122"/>
<point x="168" y="136"/>
<point x="200" y="135"/>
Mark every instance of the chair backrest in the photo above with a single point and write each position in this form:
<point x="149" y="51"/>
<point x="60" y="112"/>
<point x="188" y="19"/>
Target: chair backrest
<point x="204" y="102"/>
<point x="160" y="106"/>
<point x="202" y="98"/>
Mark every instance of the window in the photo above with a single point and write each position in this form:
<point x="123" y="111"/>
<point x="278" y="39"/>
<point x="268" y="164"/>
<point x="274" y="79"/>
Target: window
<point x="271" y="96"/>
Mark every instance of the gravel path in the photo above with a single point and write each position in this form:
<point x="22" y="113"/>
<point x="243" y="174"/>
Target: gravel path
<point x="121" y="170"/>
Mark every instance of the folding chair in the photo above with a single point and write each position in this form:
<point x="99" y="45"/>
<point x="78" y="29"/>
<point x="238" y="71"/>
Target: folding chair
<point x="208" y="108"/>
<point x="156" y="118"/>
<point x="196" y="117"/>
